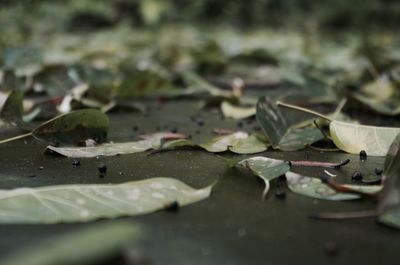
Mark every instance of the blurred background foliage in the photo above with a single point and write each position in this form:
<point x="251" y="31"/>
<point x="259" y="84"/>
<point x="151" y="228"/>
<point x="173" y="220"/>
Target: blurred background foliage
<point x="18" y="17"/>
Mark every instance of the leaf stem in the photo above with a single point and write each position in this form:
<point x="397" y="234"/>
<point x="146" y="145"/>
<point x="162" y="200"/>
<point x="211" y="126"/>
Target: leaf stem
<point x="290" y="106"/>
<point x="319" y="164"/>
<point x="341" y="188"/>
<point x="15" y="138"/>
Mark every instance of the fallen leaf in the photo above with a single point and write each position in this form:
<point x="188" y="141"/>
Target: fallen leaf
<point x="87" y="202"/>
<point x="265" y="168"/>
<point x="73" y="127"/>
<point x="315" y="188"/>
<point x="231" y="111"/>
<point x="389" y="203"/>
<point x="153" y="141"/>
<point x="278" y="130"/>
<point x="353" y="138"/>
<point x="81" y="246"/>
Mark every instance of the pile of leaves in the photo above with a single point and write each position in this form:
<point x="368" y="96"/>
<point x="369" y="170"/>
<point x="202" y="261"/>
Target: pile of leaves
<point x="62" y="91"/>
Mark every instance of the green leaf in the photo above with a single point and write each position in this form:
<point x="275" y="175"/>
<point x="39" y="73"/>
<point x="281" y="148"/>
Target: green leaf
<point x="390" y="106"/>
<point x="254" y="143"/>
<point x="389" y="204"/>
<point x="315" y="188"/>
<point x="111" y="149"/>
<point x="278" y="130"/>
<point x="145" y="83"/>
<point x="238" y="142"/>
<point x="78" y="247"/>
<point x="353" y="138"/>
<point x="265" y="168"/>
<point x="87" y="202"/>
<point x="74" y="127"/>
<point x="231" y="111"/>
<point x="11" y="107"/>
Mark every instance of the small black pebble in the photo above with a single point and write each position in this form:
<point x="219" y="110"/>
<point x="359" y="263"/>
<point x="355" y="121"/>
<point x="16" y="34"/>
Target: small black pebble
<point x="121" y="173"/>
<point x="101" y="176"/>
<point x="135" y="128"/>
<point x="330" y="248"/>
<point x="32" y="176"/>
<point x="41" y="167"/>
<point x="76" y="163"/>
<point x="280" y="194"/>
<point x="356" y="175"/>
<point x="378" y="171"/>
<point x="172" y="207"/>
<point x="174" y="130"/>
<point x="102" y="168"/>
<point x="363" y="155"/>
<point x="200" y="123"/>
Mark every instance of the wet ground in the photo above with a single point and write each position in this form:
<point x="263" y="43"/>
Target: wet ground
<point x="233" y="226"/>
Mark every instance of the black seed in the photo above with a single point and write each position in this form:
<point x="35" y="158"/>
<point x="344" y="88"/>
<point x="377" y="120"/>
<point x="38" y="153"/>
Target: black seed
<point x="174" y="130"/>
<point x="240" y="124"/>
<point x="200" y="123"/>
<point x="172" y="207"/>
<point x="280" y="194"/>
<point x="41" y="167"/>
<point x="76" y="163"/>
<point x="378" y="171"/>
<point x="102" y="168"/>
<point x="330" y="248"/>
<point x="363" y="155"/>
<point x="135" y="128"/>
<point x="189" y="136"/>
<point x="101" y="176"/>
<point x="32" y="176"/>
<point x="356" y="175"/>
<point x="121" y="173"/>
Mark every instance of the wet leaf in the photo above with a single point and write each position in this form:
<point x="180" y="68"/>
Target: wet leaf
<point x="389" y="203"/>
<point x="87" y="202"/>
<point x="73" y="127"/>
<point x="111" y="149"/>
<point x="315" y="188"/>
<point x="265" y="168"/>
<point x="353" y="138"/>
<point x="82" y="246"/>
<point x="238" y="142"/>
<point x="231" y="111"/>
<point x="278" y="130"/>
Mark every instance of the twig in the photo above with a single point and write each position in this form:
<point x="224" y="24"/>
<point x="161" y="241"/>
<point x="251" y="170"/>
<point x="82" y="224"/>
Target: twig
<point x="343" y="215"/>
<point x="319" y="164"/>
<point x="324" y="149"/>
<point x="15" y="138"/>
<point x="290" y="106"/>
